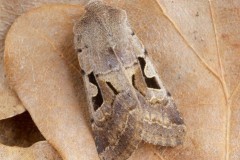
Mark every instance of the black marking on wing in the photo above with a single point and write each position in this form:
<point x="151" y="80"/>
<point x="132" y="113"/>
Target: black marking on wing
<point x="151" y="82"/>
<point x="98" y="99"/>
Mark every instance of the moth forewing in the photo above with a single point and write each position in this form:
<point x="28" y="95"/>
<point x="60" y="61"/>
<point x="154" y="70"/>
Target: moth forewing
<point x="127" y="100"/>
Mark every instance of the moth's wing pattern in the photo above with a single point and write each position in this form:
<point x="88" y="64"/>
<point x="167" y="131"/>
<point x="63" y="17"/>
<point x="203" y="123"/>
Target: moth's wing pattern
<point x="123" y="130"/>
<point x="162" y="122"/>
<point x="116" y="130"/>
<point x="113" y="104"/>
<point x="127" y="100"/>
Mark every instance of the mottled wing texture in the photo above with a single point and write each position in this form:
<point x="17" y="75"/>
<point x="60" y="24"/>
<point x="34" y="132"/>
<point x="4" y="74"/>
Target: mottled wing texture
<point x="127" y="100"/>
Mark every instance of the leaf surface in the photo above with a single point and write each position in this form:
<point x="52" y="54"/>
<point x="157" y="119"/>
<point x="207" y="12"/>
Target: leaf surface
<point x="10" y="104"/>
<point x="43" y="69"/>
<point x="39" y="151"/>
<point x="194" y="46"/>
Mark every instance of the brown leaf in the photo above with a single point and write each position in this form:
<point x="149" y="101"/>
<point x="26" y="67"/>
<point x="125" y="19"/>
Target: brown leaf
<point x="9" y="11"/>
<point x="18" y="131"/>
<point x="39" y="151"/>
<point x="194" y="46"/>
<point x="37" y="49"/>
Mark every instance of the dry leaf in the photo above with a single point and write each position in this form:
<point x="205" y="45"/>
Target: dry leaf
<point x="39" y="151"/>
<point x="9" y="11"/>
<point x="9" y="103"/>
<point x="15" y="131"/>
<point x="37" y="49"/>
<point x="195" y="47"/>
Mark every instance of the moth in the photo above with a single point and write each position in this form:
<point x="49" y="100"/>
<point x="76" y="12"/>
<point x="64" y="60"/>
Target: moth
<point x="127" y="100"/>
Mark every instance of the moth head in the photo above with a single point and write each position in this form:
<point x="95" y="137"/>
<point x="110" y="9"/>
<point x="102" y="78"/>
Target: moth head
<point x="101" y="27"/>
<point x="100" y="8"/>
<point x="92" y="4"/>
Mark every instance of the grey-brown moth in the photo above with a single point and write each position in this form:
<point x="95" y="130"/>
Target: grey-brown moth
<point x="128" y="102"/>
